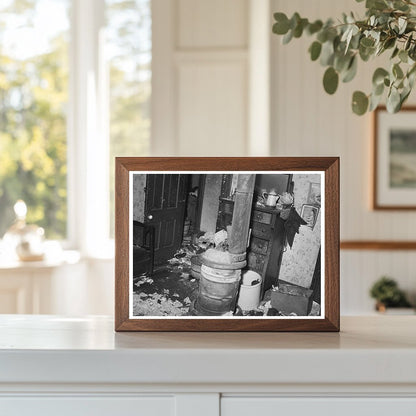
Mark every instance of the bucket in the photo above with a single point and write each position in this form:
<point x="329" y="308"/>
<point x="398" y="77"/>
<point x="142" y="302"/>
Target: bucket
<point x="249" y="297"/>
<point x="217" y="290"/>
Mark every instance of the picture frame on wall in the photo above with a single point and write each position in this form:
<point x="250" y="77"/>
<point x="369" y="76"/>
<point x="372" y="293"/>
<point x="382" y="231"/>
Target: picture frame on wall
<point x="201" y="244"/>
<point x="394" y="152"/>
<point x="310" y="215"/>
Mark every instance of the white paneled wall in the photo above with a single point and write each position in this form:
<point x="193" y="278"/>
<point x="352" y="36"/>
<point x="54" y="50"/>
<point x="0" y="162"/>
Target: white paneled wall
<point x="305" y="121"/>
<point x="200" y="77"/>
<point x="212" y="102"/>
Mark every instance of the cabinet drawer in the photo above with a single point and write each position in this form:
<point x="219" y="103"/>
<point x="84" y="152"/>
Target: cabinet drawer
<point x="263" y="217"/>
<point x="259" y="246"/>
<point x="261" y="230"/>
<point x="256" y="261"/>
<point x="88" y="406"/>
<point x="234" y="406"/>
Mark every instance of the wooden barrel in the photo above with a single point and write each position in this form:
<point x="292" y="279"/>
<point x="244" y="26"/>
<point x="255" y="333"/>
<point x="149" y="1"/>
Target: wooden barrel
<point x="217" y="291"/>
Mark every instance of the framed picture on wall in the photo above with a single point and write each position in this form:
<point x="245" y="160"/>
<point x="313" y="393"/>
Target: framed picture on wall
<point x="201" y="244"/>
<point x="310" y="215"/>
<point x="394" y="179"/>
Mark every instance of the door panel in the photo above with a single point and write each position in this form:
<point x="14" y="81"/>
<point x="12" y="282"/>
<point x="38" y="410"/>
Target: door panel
<point x="165" y="210"/>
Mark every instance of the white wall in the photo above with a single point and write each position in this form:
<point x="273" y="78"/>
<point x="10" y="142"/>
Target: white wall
<point x="202" y="84"/>
<point x="308" y="122"/>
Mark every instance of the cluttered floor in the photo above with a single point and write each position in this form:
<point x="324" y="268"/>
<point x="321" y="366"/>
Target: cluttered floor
<point x="173" y="288"/>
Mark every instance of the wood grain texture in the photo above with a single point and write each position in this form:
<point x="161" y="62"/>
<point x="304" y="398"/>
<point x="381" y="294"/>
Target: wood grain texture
<point x="378" y="245"/>
<point x="330" y="165"/>
<point x="121" y="244"/>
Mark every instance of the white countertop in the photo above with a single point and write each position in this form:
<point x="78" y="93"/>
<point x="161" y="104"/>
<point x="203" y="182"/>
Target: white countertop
<point x="52" y="349"/>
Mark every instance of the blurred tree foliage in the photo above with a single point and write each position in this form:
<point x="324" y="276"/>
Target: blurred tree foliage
<point x="130" y="43"/>
<point x="33" y="96"/>
<point x="33" y="104"/>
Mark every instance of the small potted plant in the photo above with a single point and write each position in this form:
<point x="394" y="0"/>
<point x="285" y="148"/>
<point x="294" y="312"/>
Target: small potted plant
<point x="387" y="294"/>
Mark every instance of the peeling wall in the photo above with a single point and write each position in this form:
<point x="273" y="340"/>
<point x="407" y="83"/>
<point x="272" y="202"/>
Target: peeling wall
<point x="210" y="202"/>
<point x="139" y="183"/>
<point x="298" y="263"/>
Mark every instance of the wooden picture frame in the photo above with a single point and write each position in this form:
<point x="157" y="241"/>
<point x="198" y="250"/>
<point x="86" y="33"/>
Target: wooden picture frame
<point x="327" y="167"/>
<point x="394" y="152"/>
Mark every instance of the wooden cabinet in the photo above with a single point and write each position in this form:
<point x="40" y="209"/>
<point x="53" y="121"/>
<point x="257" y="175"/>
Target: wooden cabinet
<point x="267" y="240"/>
<point x="264" y="254"/>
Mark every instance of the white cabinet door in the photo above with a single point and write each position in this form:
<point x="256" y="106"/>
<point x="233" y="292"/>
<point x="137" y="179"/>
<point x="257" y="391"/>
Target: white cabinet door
<point x="271" y="406"/>
<point x="88" y="406"/>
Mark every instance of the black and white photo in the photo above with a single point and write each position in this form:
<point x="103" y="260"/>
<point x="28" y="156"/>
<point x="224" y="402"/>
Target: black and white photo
<point x="226" y="244"/>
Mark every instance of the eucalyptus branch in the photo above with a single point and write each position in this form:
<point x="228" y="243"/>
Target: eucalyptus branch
<point x="388" y="25"/>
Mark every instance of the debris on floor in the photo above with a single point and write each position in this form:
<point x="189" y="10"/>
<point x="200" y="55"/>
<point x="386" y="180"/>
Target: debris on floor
<point x="155" y="304"/>
<point x="173" y="288"/>
<point x="170" y="292"/>
<point x="141" y="280"/>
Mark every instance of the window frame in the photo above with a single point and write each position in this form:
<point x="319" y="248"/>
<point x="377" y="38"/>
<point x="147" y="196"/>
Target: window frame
<point x="87" y="133"/>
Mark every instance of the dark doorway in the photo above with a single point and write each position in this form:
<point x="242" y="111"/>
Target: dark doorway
<point x="165" y="210"/>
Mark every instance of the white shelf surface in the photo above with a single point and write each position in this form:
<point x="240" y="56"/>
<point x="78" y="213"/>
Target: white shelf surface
<point x="52" y="349"/>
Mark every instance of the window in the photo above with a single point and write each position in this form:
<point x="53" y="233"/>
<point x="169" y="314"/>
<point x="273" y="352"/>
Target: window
<point x="129" y="45"/>
<point x="75" y="87"/>
<point x="33" y="98"/>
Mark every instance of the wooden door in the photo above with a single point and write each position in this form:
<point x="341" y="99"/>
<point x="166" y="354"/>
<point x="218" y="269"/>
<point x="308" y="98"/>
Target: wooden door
<point x="165" y="210"/>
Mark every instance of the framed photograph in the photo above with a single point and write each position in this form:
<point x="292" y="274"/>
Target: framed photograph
<point x="220" y="244"/>
<point x="310" y="215"/>
<point x="395" y="159"/>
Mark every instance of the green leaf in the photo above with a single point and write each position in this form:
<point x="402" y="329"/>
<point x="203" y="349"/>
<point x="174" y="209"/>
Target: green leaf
<point x="412" y="52"/>
<point x="379" y="75"/>
<point x="367" y="42"/>
<point x="376" y="4"/>
<point x="281" y="27"/>
<point x="403" y="56"/>
<point x="397" y="71"/>
<point x="366" y="53"/>
<point x="315" y="50"/>
<point x="359" y="103"/>
<point x="389" y="43"/>
<point x="404" y="95"/>
<point x="378" y="90"/>
<point x="341" y="61"/>
<point x="395" y="52"/>
<point x="374" y="101"/>
<point x="408" y="42"/>
<point x="351" y="71"/>
<point x="314" y="27"/>
<point x="298" y="30"/>
<point x="400" y="5"/>
<point x="411" y="76"/>
<point x="322" y="36"/>
<point x="327" y="53"/>
<point x="294" y="20"/>
<point x="288" y="37"/>
<point x="330" y="80"/>
<point x="393" y="101"/>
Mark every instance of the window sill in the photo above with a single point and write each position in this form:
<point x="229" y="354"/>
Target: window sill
<point x="64" y="257"/>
